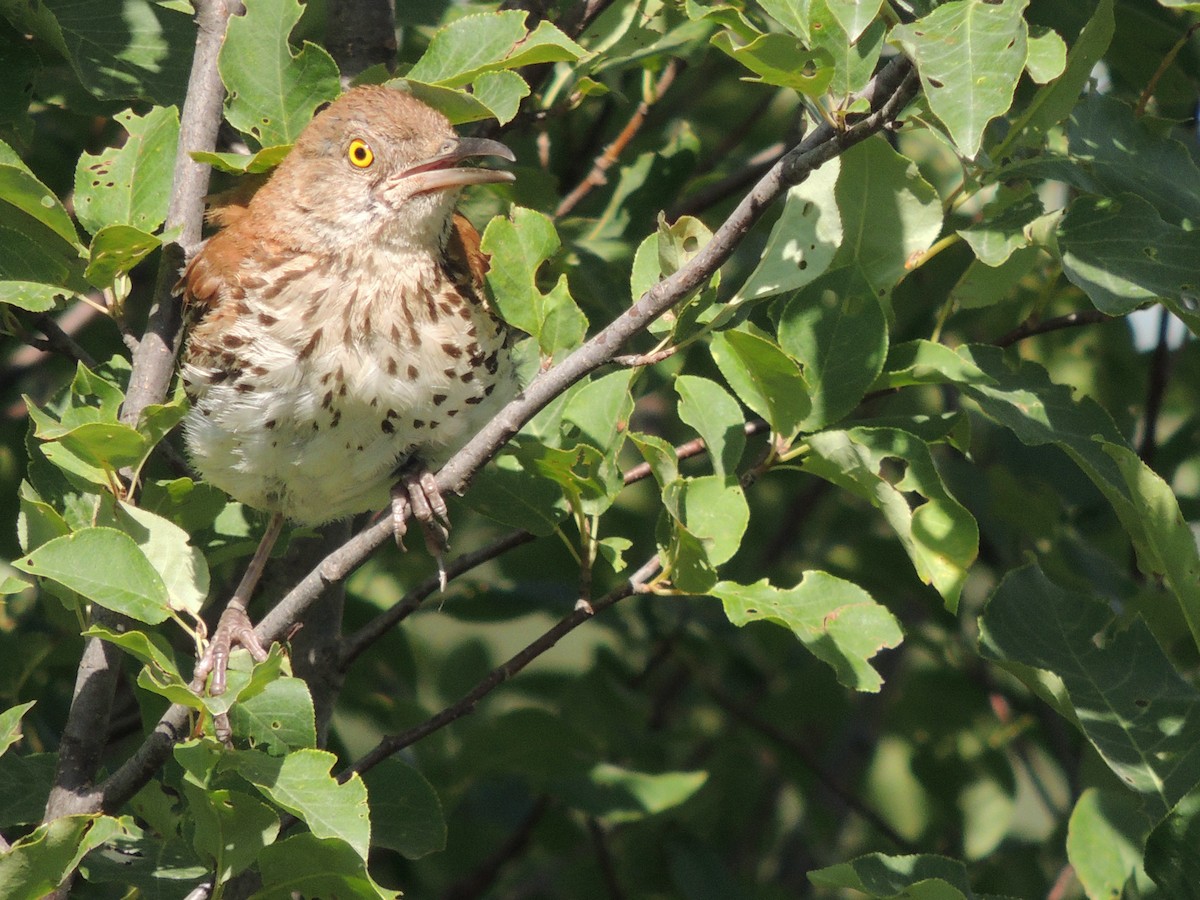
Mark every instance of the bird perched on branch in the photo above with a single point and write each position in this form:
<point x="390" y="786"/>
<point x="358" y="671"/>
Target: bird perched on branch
<point x="342" y="342"/>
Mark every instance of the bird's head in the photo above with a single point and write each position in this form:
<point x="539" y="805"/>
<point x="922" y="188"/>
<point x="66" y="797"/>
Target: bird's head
<point x="378" y="164"/>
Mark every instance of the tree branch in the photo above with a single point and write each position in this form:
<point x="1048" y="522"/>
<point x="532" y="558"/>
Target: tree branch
<point x="888" y="93"/>
<point x="86" y="729"/>
<point x="154" y="359"/>
<point x="393" y="744"/>
<point x="1070" y="320"/>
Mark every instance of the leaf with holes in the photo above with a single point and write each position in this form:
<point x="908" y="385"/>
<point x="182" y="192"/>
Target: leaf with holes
<point x="894" y="471"/>
<point x="130" y="184"/>
<point x="839" y="622"/>
<point x="970" y="55"/>
<point x="273" y="92"/>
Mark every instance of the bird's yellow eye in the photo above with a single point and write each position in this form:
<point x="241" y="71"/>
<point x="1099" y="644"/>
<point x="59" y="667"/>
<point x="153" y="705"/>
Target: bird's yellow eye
<point x="360" y="153"/>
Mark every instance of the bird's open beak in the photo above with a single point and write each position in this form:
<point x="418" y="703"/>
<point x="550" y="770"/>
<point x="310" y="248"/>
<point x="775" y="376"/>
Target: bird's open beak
<point x="442" y="171"/>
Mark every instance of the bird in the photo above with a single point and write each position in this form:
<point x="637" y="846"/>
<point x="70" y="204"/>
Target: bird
<point x="341" y="345"/>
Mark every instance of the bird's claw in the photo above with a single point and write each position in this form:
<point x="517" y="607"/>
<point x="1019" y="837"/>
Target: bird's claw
<point x="417" y="493"/>
<point x="233" y="630"/>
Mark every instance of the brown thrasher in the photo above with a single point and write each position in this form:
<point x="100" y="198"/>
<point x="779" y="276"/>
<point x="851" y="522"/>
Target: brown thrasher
<point x="342" y="341"/>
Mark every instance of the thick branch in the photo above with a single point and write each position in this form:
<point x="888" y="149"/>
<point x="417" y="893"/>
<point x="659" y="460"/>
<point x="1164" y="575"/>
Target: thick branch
<point x="86" y="730"/>
<point x="888" y="93"/>
<point x="154" y="360"/>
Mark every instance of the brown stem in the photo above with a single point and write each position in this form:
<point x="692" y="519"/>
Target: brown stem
<point x="613" y="151"/>
<point x="1070" y="320"/>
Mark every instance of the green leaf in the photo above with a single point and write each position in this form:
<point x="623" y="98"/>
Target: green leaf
<point x="764" y="378"/>
<point x="40" y="245"/>
<point x="615" y="795"/>
<point x="853" y="40"/>
<point x="855" y="16"/>
<point x="32" y="296"/>
<point x="273" y="92"/>
<point x="545" y="44"/>
<point x="106" y="567"/>
<point x="456" y="104"/>
<point x="20" y="189"/>
<point x="925" y="362"/>
<point x="1023" y="399"/>
<point x="923" y="877"/>
<point x="38" y="862"/>
<point x="969" y="54"/>
<point x="115" y="250"/>
<point x="306" y="865"/>
<point x="716" y="417"/>
<point x="839" y="622"/>
<point x="120" y="49"/>
<point x="231" y="828"/>
<point x="302" y="784"/>
<point x="1122" y="254"/>
<point x="468" y="47"/>
<point x="1129" y="700"/>
<point x="885" y="466"/>
<point x="791" y="14"/>
<point x="874" y="177"/>
<point x="182" y="567"/>
<point x="803" y="241"/>
<point x="1118" y="154"/>
<point x="1170" y="852"/>
<point x="130" y="185"/>
<point x="1047" y="54"/>
<point x="519" y="245"/>
<point x="25" y="782"/>
<point x="837" y="331"/>
<point x="501" y="92"/>
<point x="512" y="494"/>
<point x="1104" y="841"/>
<point x="264" y="160"/>
<point x="1054" y="102"/>
<point x="10" y="724"/>
<point x="474" y="45"/>
<point x="598" y="413"/>
<point x="982" y="285"/>
<point x="406" y="814"/>
<point x="782" y="60"/>
<point x="106" y="445"/>
<point x="713" y="509"/>
<point x="149" y="648"/>
<point x="1001" y="228"/>
<point x="280" y="718"/>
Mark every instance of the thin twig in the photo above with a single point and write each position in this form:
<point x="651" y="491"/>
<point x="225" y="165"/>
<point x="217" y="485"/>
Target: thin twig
<point x="59" y="341"/>
<point x="477" y="882"/>
<point x="716" y="192"/>
<point x="750" y="718"/>
<point x="606" y="160"/>
<point x="1152" y="84"/>
<point x="888" y="93"/>
<point x="1160" y="369"/>
<point x="1070" y="320"/>
<point x="608" y="870"/>
<point x="358" y="642"/>
<point x="393" y="744"/>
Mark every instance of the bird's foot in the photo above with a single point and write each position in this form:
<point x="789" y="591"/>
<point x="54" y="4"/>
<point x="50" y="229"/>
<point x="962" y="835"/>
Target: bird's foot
<point x="233" y="630"/>
<point x="417" y="493"/>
